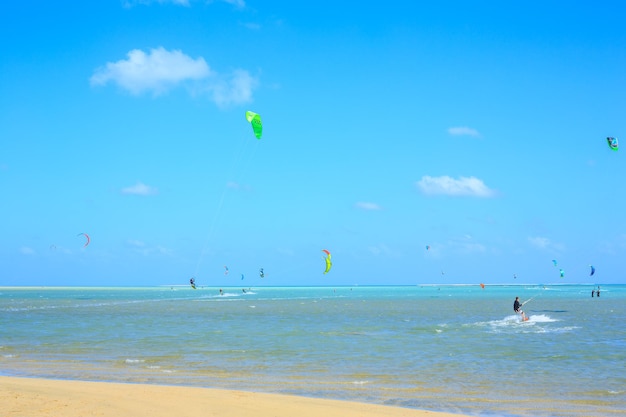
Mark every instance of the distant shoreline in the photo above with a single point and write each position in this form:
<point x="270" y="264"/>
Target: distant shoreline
<point x="199" y="287"/>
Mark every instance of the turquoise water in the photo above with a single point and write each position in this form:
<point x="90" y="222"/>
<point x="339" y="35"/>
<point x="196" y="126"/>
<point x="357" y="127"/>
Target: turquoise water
<point x="448" y="348"/>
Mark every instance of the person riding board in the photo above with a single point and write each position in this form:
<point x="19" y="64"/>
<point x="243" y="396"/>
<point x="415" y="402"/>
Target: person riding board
<point x="517" y="307"/>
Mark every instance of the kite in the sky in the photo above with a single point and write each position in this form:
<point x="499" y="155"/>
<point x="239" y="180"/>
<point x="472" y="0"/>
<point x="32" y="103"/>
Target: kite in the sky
<point x="261" y="273"/>
<point x="554" y="262"/>
<point x="329" y="264"/>
<point x="255" y="121"/>
<point x="87" y="237"/>
<point x="242" y="276"/>
<point x="225" y="270"/>
<point x="562" y="273"/>
<point x="427" y="247"/>
<point x="593" y="270"/>
<point x="613" y="144"/>
<point x="192" y="282"/>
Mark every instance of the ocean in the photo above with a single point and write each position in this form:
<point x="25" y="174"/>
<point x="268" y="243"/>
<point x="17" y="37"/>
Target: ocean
<point x="454" y="348"/>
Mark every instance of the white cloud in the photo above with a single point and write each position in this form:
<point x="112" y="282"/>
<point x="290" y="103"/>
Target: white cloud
<point x="463" y="131"/>
<point x="368" y="206"/>
<point x="160" y="70"/>
<point x="464" y="186"/>
<point x="157" y="71"/>
<point x="235" y="88"/>
<point x="139" y="189"/>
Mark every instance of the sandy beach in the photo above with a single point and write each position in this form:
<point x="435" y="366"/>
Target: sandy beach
<point x="34" y="397"/>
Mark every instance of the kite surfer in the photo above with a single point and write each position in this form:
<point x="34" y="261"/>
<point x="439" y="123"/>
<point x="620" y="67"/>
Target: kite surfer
<point x="517" y="307"/>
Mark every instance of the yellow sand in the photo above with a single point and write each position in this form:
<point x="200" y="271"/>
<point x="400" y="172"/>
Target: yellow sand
<point x="31" y="397"/>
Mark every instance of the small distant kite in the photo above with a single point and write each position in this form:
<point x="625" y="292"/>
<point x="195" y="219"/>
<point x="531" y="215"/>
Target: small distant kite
<point x="86" y="237"/>
<point x="514" y="276"/>
<point x="427" y="247"/>
<point x="554" y="262"/>
<point x="255" y="121"/>
<point x="192" y="282"/>
<point x="225" y="270"/>
<point x="593" y="270"/>
<point x="613" y="144"/>
<point x="329" y="263"/>
<point x="242" y="276"/>
<point x="562" y="273"/>
<point x="261" y="273"/>
<point x="482" y="285"/>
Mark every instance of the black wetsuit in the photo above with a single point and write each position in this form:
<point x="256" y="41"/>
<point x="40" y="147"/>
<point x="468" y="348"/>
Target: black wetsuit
<point x="516" y="306"/>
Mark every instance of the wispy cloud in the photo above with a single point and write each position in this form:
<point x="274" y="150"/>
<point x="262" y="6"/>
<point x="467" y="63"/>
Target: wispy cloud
<point x="131" y="3"/>
<point x="463" y="131"/>
<point x="139" y="189"/>
<point x="234" y="88"/>
<point x="545" y="243"/>
<point x="136" y="243"/>
<point x="240" y="4"/>
<point x="367" y="206"/>
<point x="140" y="247"/>
<point x="158" y="71"/>
<point x="25" y="250"/>
<point x="539" y="242"/>
<point x="236" y="186"/>
<point x="445" y="185"/>
<point x="467" y="244"/>
<point x="251" y="25"/>
<point x="382" y="249"/>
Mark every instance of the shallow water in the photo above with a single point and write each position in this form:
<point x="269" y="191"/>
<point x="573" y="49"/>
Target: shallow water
<point x="448" y="348"/>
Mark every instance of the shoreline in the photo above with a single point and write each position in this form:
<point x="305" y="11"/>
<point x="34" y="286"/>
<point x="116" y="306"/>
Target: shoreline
<point x="362" y="286"/>
<point x="39" y="397"/>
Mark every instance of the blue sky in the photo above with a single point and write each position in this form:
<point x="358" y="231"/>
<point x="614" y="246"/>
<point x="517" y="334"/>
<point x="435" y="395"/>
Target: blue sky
<point x="476" y="128"/>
